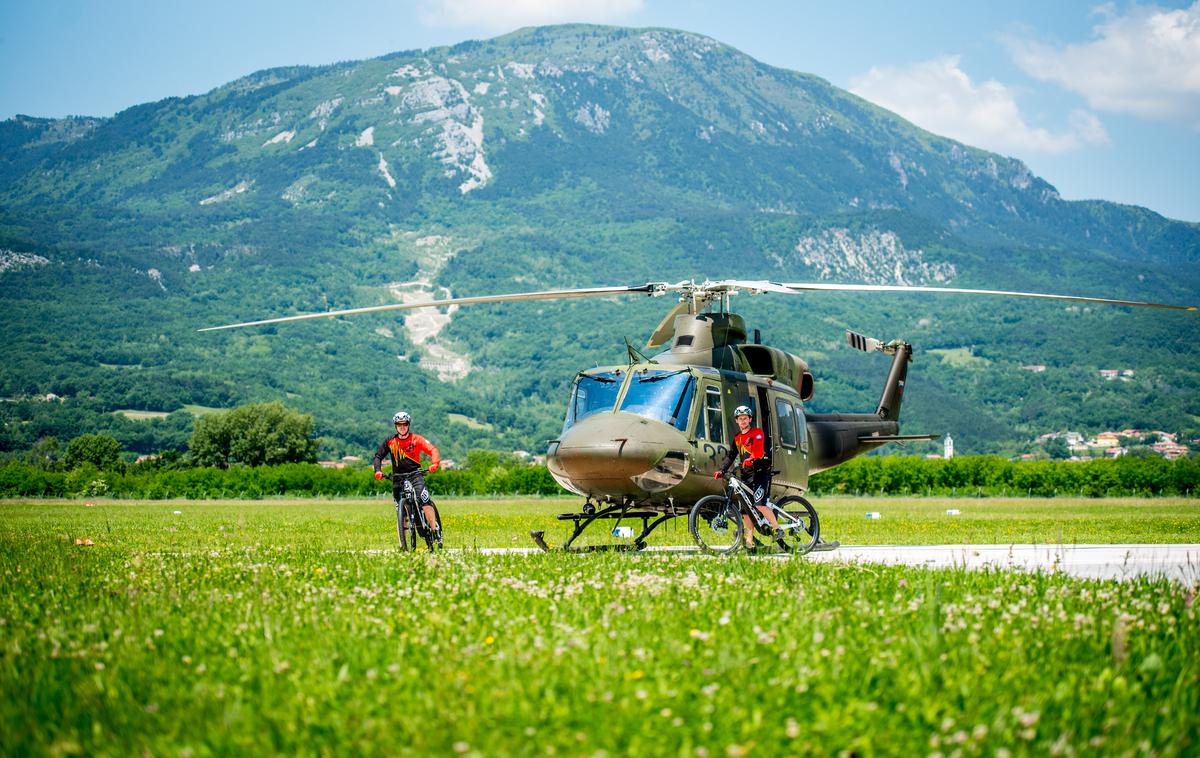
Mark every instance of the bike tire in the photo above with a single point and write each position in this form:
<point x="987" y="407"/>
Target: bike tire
<point x="800" y="540"/>
<point x="400" y="524"/>
<point x="408" y="536"/>
<point x="716" y="525"/>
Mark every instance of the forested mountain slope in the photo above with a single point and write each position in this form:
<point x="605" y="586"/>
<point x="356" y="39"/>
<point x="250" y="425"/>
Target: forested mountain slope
<point x="553" y="157"/>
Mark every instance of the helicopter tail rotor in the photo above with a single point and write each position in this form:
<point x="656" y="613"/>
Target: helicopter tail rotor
<point x="860" y="342"/>
<point x="893" y="388"/>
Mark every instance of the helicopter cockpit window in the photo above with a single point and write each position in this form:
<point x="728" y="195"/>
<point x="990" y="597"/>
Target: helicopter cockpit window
<point x="593" y="393"/>
<point x="661" y="395"/>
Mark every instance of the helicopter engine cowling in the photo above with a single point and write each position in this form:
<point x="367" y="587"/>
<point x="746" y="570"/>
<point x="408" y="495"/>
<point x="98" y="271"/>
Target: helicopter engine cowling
<point x="718" y="340"/>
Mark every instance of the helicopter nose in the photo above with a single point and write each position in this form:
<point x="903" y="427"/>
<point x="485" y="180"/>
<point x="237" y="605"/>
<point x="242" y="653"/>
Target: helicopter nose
<point x="619" y="454"/>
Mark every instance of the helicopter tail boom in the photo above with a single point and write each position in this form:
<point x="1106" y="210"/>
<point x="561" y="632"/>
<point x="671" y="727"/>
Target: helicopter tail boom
<point x="893" y="388"/>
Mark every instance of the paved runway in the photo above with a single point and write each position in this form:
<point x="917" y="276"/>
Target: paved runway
<point x="1179" y="562"/>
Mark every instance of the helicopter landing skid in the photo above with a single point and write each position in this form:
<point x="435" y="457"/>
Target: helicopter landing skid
<point x="617" y="512"/>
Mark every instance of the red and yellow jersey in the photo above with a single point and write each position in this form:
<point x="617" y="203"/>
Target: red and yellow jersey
<point x="406" y="452"/>
<point x="751" y="444"/>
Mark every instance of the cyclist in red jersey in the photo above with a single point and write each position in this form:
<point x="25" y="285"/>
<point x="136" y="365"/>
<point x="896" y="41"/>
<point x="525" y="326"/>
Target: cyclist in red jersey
<point x="405" y="450"/>
<point x="750" y="444"/>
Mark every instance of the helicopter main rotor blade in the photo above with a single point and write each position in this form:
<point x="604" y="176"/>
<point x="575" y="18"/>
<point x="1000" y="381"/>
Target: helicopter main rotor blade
<point x="798" y="287"/>
<point x="755" y="288"/>
<point x="646" y="289"/>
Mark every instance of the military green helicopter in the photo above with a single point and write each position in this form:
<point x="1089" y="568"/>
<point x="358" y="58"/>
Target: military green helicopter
<point x="642" y="439"/>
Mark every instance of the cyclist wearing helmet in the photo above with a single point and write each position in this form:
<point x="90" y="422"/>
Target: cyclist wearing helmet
<point x="405" y="449"/>
<point x="750" y="444"/>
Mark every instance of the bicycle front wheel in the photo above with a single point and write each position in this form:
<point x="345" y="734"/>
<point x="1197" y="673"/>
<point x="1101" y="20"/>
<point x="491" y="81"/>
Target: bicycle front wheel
<point x="716" y="525"/>
<point x="802" y="531"/>
<point x="406" y="522"/>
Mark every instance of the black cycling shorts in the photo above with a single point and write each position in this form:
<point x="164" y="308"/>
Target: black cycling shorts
<point x="418" y="482"/>
<point x="759" y="481"/>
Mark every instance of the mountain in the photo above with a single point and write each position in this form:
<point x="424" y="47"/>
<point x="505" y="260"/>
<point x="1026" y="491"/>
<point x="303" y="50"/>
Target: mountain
<point x="552" y="157"/>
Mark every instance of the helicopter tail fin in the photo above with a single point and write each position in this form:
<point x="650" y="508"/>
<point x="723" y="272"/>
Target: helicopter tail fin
<point x="893" y="388"/>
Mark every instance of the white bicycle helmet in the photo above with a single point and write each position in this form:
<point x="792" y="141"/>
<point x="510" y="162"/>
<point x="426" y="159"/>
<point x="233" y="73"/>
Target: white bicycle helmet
<point x="743" y="410"/>
<point x="402" y="417"/>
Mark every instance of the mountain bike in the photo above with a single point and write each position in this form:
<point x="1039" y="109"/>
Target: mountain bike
<point x="410" y="517"/>
<point x="716" y="521"/>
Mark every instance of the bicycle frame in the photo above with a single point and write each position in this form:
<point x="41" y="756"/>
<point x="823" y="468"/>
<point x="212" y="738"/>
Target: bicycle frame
<point x="745" y="495"/>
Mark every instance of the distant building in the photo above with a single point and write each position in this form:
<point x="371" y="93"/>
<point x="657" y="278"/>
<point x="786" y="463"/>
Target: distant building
<point x="331" y="464"/>
<point x="1109" y="373"/>
<point x="1036" y="368"/>
<point x="1115" y="452"/>
<point x="1105" y="440"/>
<point x="948" y="447"/>
<point x="351" y="458"/>
<point x="1169" y="450"/>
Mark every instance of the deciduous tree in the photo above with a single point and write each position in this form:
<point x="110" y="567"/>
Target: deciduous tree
<point x="262" y="434"/>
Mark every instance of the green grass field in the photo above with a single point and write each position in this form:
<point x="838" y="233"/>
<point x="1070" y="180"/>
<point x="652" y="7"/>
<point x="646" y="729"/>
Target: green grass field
<point x="293" y="627"/>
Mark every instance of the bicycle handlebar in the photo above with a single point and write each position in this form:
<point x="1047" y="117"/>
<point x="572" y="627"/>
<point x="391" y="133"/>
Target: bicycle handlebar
<point x="404" y="475"/>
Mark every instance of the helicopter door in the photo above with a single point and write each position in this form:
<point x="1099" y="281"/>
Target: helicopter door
<point x="764" y="417"/>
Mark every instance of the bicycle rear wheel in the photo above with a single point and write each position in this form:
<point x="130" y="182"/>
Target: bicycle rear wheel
<point x="716" y="525"/>
<point x="433" y="532"/>
<point x="801" y="535"/>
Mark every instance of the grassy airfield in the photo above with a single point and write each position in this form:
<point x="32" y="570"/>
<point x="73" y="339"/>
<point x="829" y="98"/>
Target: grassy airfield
<point x="291" y="627"/>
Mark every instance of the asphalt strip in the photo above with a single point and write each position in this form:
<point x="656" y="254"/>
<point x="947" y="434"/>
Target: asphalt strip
<point x="1180" y="562"/>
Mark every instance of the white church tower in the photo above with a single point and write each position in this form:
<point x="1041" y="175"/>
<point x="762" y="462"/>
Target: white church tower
<point x="948" y="447"/>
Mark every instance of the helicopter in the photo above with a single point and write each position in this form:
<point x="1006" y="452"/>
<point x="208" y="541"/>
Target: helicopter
<point x="641" y="440"/>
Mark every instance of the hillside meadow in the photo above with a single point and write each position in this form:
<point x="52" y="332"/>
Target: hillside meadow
<point x="252" y="627"/>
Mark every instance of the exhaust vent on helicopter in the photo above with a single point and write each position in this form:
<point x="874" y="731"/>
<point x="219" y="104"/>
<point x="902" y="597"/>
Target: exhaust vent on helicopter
<point x="860" y="342"/>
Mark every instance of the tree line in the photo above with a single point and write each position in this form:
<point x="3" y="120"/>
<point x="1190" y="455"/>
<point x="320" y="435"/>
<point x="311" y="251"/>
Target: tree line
<point x="992" y="475"/>
<point x="282" y="480"/>
<point x="266" y="449"/>
<point x="492" y="473"/>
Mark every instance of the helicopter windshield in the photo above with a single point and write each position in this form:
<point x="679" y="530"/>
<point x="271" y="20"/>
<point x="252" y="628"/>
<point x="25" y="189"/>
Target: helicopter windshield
<point x="661" y="395"/>
<point x="593" y="393"/>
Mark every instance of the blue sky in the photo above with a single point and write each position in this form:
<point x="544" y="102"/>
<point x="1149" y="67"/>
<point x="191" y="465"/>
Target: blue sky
<point x="1103" y="101"/>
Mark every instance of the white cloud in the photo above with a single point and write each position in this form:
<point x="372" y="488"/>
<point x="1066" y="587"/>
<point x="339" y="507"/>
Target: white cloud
<point x="510" y="14"/>
<point x="939" y="96"/>
<point x="1146" y="63"/>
